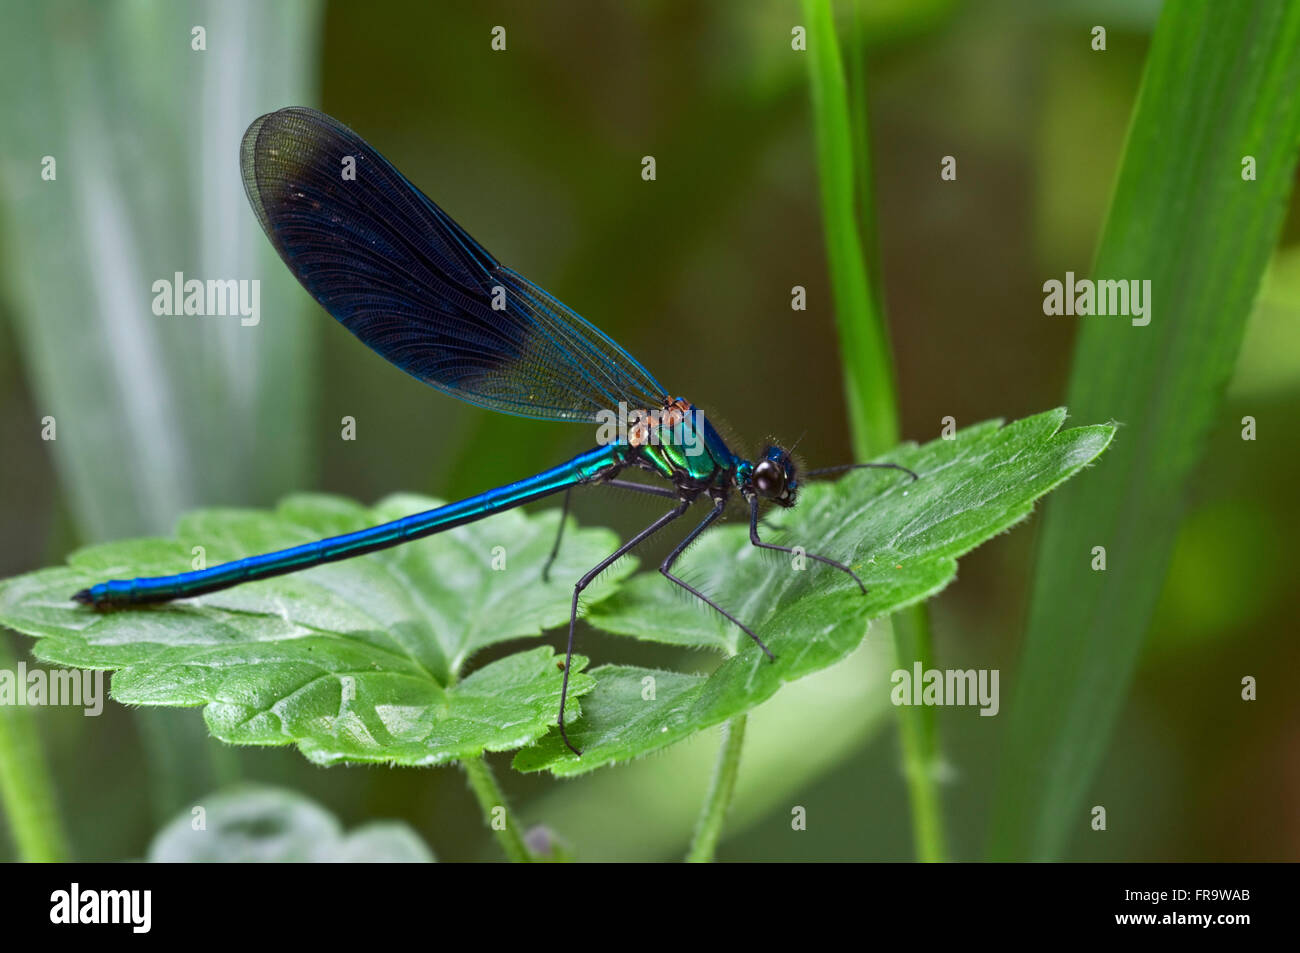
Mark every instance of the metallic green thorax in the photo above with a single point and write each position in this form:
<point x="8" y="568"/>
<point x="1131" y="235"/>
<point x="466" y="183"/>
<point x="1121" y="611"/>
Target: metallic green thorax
<point x="686" y="451"/>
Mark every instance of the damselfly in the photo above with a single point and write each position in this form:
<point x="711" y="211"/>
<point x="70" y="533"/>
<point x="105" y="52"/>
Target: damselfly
<point x="413" y="286"/>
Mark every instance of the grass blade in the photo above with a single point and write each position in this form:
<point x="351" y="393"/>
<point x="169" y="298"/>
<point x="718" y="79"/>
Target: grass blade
<point x="147" y="184"/>
<point x="864" y="342"/>
<point x="1219" y="85"/>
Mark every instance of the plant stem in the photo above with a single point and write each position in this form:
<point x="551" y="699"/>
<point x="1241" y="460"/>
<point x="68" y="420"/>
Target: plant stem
<point x="490" y="798"/>
<point x="860" y="124"/>
<point x="918" y="732"/>
<point x="840" y="123"/>
<point x="25" y="785"/>
<point x="708" y="829"/>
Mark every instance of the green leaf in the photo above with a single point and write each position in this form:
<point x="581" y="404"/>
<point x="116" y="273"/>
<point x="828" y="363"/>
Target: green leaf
<point x="251" y="824"/>
<point x="359" y="660"/>
<point x="902" y="538"/>
<point x="1220" y="85"/>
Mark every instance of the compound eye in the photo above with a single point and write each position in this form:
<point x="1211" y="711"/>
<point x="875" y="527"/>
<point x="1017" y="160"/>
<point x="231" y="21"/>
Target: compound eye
<point x="769" y="480"/>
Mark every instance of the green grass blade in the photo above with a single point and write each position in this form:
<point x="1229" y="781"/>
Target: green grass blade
<point x="1220" y="84"/>
<point x="147" y="184"/>
<point x="864" y="182"/>
<point x="841" y="124"/>
<point x="864" y="343"/>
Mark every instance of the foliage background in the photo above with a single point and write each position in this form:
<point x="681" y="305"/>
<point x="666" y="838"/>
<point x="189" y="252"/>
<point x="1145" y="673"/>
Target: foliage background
<point x="537" y="152"/>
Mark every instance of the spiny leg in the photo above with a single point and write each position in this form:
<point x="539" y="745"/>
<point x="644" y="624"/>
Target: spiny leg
<point x="604" y="564"/>
<point x="564" y="512"/>
<point x="753" y="538"/>
<point x="559" y="535"/>
<point x="640" y="488"/>
<point x="666" y="567"/>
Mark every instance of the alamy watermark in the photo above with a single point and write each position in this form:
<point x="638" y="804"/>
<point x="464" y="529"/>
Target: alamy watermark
<point x="1084" y="296"/>
<point x="131" y="908"/>
<point x="946" y="687"/>
<point x="215" y="297"/>
<point x="55" y="687"/>
<point x="676" y="424"/>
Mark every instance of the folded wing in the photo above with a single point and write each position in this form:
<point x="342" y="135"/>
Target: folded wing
<point x="412" y="285"/>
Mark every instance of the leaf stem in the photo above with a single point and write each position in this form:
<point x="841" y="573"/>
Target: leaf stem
<point x="25" y="785"/>
<point x="918" y="732"/>
<point x="491" y="800"/>
<point x="708" y="829"/>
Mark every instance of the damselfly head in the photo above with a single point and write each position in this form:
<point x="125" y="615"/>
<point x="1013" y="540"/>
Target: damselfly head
<point x="774" y="477"/>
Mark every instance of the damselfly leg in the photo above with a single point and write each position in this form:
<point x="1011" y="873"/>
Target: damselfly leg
<point x="564" y="512"/>
<point x="667" y="565"/>
<point x="753" y="538"/>
<point x="585" y="581"/>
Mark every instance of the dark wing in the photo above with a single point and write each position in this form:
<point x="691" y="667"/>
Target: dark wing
<point x="413" y="286"/>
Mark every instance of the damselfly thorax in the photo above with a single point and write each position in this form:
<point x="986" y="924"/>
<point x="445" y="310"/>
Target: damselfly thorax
<point x="677" y="443"/>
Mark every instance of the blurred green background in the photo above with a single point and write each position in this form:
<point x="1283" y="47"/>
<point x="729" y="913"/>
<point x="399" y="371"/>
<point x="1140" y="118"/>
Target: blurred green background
<point x="537" y="151"/>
